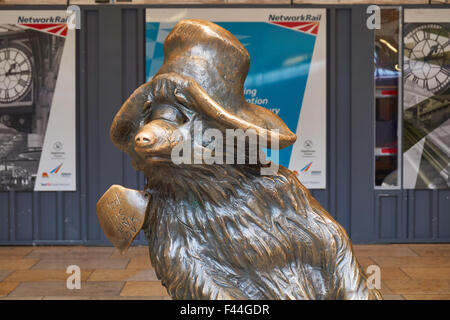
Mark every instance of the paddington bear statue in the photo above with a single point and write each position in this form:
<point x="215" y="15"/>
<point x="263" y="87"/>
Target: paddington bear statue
<point x="222" y="229"/>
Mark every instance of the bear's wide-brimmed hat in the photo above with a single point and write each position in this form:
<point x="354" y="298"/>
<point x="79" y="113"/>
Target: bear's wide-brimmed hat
<point x="206" y="66"/>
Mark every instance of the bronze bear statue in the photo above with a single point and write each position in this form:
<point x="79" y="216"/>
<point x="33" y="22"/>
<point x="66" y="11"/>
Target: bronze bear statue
<point x="221" y="230"/>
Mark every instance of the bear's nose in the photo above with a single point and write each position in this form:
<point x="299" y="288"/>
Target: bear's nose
<point x="144" y="139"/>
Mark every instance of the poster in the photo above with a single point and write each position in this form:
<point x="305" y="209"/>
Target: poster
<point x="426" y="99"/>
<point x="37" y="101"/>
<point x="287" y="74"/>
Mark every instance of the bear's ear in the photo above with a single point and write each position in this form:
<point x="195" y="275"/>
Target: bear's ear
<point x="128" y="118"/>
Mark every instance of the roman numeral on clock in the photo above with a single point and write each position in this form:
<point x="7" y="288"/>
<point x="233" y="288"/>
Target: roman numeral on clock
<point x="445" y="71"/>
<point x="415" y="37"/>
<point x="445" y="45"/>
<point x="22" y="82"/>
<point x="407" y="73"/>
<point x="428" y="85"/>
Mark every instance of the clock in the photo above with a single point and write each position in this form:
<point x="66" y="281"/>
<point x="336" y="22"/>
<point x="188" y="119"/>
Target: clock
<point x="426" y="57"/>
<point x="15" y="73"/>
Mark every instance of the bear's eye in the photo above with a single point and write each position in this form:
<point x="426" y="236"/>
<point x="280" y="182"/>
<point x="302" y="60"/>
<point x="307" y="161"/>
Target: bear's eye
<point x="167" y="113"/>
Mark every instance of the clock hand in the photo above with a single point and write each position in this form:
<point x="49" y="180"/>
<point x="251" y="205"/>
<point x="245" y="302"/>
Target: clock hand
<point x="433" y="49"/>
<point x="17" y="72"/>
<point x="11" y="68"/>
<point x="20" y="72"/>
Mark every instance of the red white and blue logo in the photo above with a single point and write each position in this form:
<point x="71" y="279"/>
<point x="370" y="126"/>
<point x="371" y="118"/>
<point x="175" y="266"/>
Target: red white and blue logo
<point x="55" y="170"/>
<point x="306" y="168"/>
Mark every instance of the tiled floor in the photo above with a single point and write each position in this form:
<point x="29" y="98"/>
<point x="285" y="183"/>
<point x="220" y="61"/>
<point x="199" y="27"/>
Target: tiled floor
<point x="416" y="271"/>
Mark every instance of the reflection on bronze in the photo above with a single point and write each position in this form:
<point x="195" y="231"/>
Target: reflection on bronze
<point x="121" y="213"/>
<point x="224" y="231"/>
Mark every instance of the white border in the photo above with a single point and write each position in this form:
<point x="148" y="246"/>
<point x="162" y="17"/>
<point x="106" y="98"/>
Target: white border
<point x="61" y="124"/>
<point x="426" y="15"/>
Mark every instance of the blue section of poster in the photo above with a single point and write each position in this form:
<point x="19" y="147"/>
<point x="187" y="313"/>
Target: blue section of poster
<point x="280" y="63"/>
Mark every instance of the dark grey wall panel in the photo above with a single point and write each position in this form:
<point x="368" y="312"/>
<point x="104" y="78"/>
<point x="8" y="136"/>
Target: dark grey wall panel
<point x="86" y="79"/>
<point x="11" y="216"/>
<point x="421" y="214"/>
<point x="444" y="214"/>
<point x="71" y="207"/>
<point x="362" y="132"/>
<point x="428" y="215"/>
<point x="46" y="215"/>
<point x="4" y="216"/>
<point x="341" y="115"/>
<point x="93" y="112"/>
<point x="390" y="223"/>
<point x="110" y="62"/>
<point x="387" y="210"/>
<point x="23" y="216"/>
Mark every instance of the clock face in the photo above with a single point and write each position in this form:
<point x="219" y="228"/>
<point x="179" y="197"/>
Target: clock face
<point x="427" y="49"/>
<point x="15" y="74"/>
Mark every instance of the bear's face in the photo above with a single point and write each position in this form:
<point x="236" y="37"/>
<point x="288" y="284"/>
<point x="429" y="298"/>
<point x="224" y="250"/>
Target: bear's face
<point x="164" y="125"/>
<point x="170" y="130"/>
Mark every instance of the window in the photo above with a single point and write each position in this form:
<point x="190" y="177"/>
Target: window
<point x="387" y="97"/>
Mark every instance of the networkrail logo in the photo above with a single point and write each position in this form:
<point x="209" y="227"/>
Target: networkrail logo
<point x="306" y="168"/>
<point x="55" y="25"/>
<point x="306" y="23"/>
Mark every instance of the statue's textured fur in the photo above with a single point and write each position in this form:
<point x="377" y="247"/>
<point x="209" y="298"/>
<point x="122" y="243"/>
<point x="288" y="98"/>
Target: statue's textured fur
<point x="226" y="232"/>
